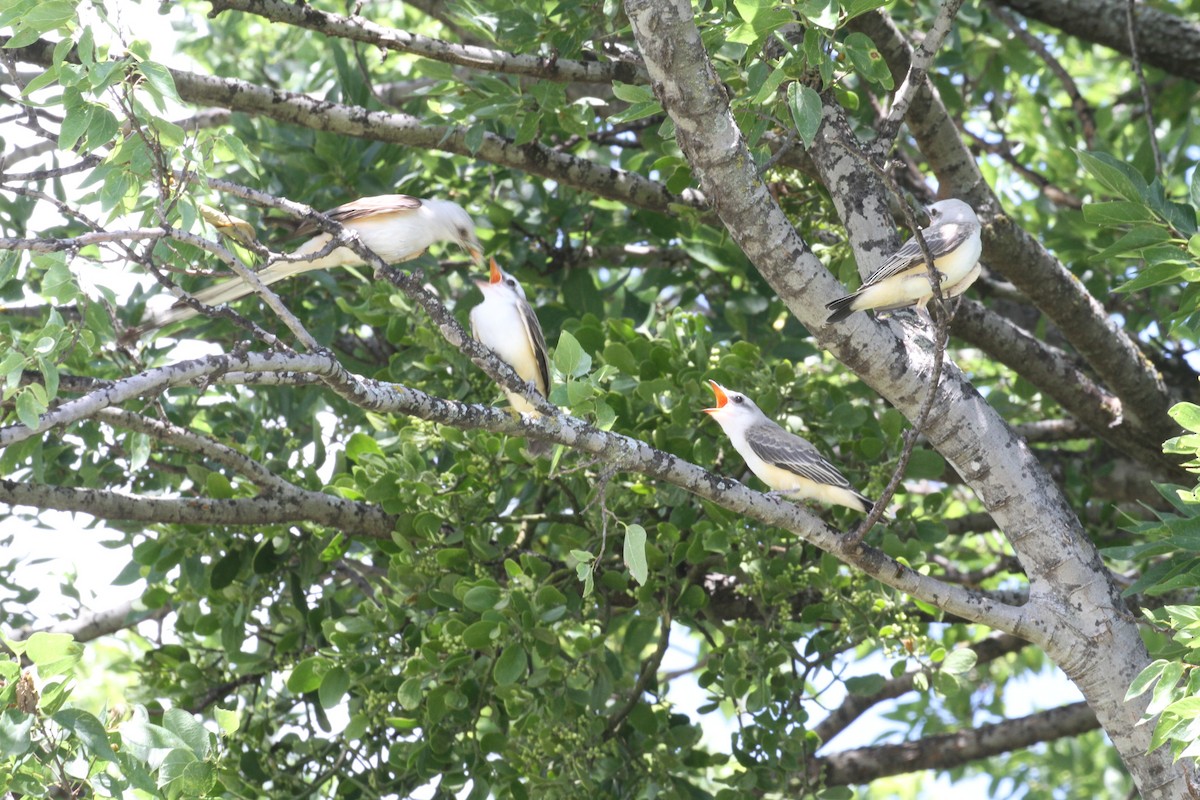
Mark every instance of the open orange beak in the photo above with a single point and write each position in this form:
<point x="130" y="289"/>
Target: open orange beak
<point x="722" y="398"/>
<point x="496" y="276"/>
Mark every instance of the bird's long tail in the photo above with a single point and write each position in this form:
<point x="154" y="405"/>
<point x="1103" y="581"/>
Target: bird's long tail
<point x="221" y="293"/>
<point x="841" y="308"/>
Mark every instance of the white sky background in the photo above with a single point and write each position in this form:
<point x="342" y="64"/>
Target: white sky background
<point x="66" y="546"/>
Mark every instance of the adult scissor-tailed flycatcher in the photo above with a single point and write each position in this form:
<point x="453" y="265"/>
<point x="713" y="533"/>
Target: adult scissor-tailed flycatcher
<point x="395" y="226"/>
<point x="903" y="280"/>
<point x="782" y="460"/>
<point x="505" y="323"/>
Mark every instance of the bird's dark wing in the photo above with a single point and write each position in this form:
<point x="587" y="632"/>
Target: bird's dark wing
<point x="533" y="331"/>
<point x="941" y="239"/>
<point x="367" y="207"/>
<point x="788" y="451"/>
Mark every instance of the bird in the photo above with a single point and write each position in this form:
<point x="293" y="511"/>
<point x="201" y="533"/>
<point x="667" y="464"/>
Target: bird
<point x="784" y="461"/>
<point x="953" y="238"/>
<point x="506" y="324"/>
<point x="396" y="227"/>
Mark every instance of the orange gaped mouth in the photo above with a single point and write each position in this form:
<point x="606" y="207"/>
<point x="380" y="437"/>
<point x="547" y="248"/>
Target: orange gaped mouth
<point x="722" y="398"/>
<point x="496" y="277"/>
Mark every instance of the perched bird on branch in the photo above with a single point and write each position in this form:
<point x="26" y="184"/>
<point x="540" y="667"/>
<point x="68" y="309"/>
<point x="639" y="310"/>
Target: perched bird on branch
<point x="396" y="227"/>
<point x="782" y="460"/>
<point x="953" y="238"/>
<point x="505" y="323"/>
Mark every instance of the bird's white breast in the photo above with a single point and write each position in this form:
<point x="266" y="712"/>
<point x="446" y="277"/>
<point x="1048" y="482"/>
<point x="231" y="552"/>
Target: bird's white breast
<point x="498" y="325"/>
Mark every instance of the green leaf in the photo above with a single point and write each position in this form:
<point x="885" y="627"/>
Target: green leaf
<point x="1117" y="212"/>
<point x="184" y="725"/>
<point x="308" y="674"/>
<point x="229" y="721"/>
<point x="409" y="694"/>
<point x="865" y="685"/>
<point x="633" y="92"/>
<point x="334" y="686"/>
<point x="1139" y="238"/>
<point x="162" y="82"/>
<point x="1115" y="175"/>
<point x="1153" y="276"/>
<point x="867" y="60"/>
<point x="482" y="635"/>
<point x="511" y="665"/>
<point x="1146" y="678"/>
<point x="1167" y="690"/>
<point x="75" y="123"/>
<point x="360" y="444"/>
<point x="144" y="740"/>
<point x="15" y="733"/>
<point x="763" y="16"/>
<point x="89" y="731"/>
<point x="48" y="648"/>
<point x="1187" y="415"/>
<point x="635" y="553"/>
<point x="925" y="464"/>
<point x="959" y="661"/>
<point x="805" y="105"/>
<point x="1194" y="187"/>
<point x="569" y="357"/>
<point x="482" y="598"/>
<point x="30" y="409"/>
<point x="226" y="570"/>
<point x="49" y="15"/>
<point x="854" y="8"/>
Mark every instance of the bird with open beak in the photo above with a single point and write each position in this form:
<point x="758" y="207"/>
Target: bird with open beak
<point x="953" y="239"/>
<point x="505" y="323"/>
<point x="396" y="227"/>
<point x="782" y="460"/>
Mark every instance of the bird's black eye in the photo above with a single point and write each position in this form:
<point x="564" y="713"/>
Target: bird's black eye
<point x="737" y="398"/>
<point x="511" y="282"/>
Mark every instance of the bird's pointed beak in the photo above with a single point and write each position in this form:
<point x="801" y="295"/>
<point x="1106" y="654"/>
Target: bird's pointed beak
<point x="722" y="398"/>
<point x="496" y="277"/>
<point x="475" y="251"/>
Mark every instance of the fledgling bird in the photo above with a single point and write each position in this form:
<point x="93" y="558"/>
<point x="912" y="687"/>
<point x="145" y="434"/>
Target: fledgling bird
<point x="782" y="460"/>
<point x="396" y="227"/>
<point x="505" y="323"/>
<point x="953" y="237"/>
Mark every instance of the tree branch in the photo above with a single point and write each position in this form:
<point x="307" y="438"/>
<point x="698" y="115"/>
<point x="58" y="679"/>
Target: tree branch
<point x="93" y="624"/>
<point x="358" y="29"/>
<point x="405" y="129"/>
<point x="948" y="750"/>
<point x="274" y="508"/>
<point x="619" y="451"/>
<point x="181" y="437"/>
<point x="854" y="706"/>
<point x="1167" y="41"/>
<point x="918" y="69"/>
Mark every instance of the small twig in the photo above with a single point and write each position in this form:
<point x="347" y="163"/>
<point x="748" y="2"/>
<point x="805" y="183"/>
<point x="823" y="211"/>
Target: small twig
<point x="918" y="69"/>
<point x="1130" y="25"/>
<point x="649" y="669"/>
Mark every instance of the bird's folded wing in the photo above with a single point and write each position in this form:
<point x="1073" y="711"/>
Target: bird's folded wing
<point x="367" y="207"/>
<point x="941" y="240"/>
<point x="533" y="332"/>
<point x="788" y="451"/>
